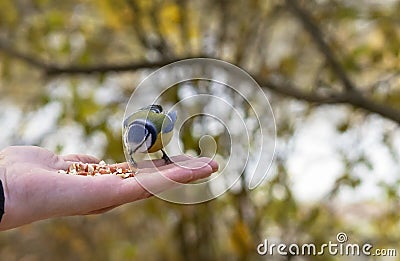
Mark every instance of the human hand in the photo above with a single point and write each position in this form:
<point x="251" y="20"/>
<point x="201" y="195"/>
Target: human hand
<point x="34" y="190"/>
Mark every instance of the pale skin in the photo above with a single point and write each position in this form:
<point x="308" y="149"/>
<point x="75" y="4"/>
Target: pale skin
<point x="34" y="190"/>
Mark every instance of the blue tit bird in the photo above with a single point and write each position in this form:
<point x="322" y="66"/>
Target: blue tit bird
<point x="148" y="130"/>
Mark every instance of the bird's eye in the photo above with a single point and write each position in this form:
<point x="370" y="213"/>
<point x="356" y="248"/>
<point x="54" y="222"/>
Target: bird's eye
<point x="156" y="108"/>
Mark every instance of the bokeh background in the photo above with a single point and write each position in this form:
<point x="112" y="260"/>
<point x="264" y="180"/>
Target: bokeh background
<point x="329" y="68"/>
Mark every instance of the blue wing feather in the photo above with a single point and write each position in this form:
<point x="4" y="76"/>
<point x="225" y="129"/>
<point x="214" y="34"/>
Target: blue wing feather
<point x="170" y="119"/>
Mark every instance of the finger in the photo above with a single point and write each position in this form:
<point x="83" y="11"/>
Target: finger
<point x="214" y="165"/>
<point x="190" y="163"/>
<point x="161" y="162"/>
<point x="30" y="154"/>
<point x="102" y="210"/>
<point x="151" y="183"/>
<point x="153" y="163"/>
<point x="189" y="171"/>
<point x="80" y="158"/>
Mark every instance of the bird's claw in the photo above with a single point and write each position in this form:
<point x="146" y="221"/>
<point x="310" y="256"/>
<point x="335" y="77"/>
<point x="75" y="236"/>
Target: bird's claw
<point x="166" y="158"/>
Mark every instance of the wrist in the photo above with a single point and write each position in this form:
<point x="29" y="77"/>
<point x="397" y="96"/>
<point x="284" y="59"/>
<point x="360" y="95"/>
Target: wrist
<point x="6" y="220"/>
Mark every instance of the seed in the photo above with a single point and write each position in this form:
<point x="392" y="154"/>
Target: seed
<point x="71" y="167"/>
<point x="84" y="167"/>
<point x="102" y="168"/>
<point x="90" y="168"/>
<point x="103" y="171"/>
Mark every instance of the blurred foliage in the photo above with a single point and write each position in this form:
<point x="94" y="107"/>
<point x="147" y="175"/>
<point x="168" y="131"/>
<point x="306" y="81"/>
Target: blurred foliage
<point x="264" y="38"/>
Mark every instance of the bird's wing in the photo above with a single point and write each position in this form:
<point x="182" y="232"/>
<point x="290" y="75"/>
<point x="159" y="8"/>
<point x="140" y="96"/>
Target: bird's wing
<point x="169" y="121"/>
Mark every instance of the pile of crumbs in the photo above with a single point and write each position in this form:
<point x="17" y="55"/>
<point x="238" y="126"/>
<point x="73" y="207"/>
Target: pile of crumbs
<point x="86" y="169"/>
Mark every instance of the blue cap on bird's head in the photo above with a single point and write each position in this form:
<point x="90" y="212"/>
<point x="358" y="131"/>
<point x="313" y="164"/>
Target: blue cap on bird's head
<point x="154" y="108"/>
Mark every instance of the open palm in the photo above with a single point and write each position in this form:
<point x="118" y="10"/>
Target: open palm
<point x="34" y="190"/>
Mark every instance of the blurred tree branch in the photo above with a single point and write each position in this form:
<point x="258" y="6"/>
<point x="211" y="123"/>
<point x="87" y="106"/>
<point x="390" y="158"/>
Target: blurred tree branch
<point x="351" y="95"/>
<point x="160" y="44"/>
<point x="52" y="69"/>
<point x="27" y="58"/>
<point x="353" y="98"/>
<point x="318" y="38"/>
